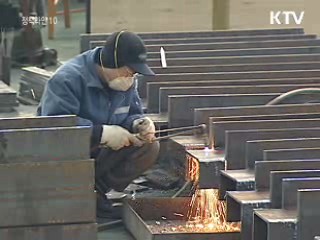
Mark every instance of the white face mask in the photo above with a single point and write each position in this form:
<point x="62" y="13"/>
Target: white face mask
<point x="121" y="83"/>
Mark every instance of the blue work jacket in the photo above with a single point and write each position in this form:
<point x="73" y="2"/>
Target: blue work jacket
<point x="77" y="89"/>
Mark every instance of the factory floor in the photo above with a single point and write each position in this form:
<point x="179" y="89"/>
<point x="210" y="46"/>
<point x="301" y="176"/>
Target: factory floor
<point x="66" y="42"/>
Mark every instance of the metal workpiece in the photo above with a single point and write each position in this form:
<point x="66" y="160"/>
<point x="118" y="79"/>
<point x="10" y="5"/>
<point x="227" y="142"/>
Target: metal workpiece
<point x="308" y="214"/>
<point x="295" y="153"/>
<point x="86" y="38"/>
<point x="294" y="74"/>
<point x="202" y="115"/>
<point x="236" y="141"/>
<point x="211" y="162"/>
<point x="38" y="122"/>
<point x="44" y="144"/>
<point x="254" y="149"/>
<point x="237" y="67"/>
<point x="276" y="178"/>
<point x="83" y="231"/>
<point x="180" y="107"/>
<point x="236" y="180"/>
<point x="40" y="193"/>
<point x="274" y="224"/>
<point x="167" y="220"/>
<point x="159" y="101"/>
<point x="237" y="201"/>
<point x="290" y="187"/>
<point x="217" y="130"/>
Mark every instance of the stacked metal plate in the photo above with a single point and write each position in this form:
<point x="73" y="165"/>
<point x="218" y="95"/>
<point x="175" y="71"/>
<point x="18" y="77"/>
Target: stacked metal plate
<point x="8" y="97"/>
<point x="46" y="181"/>
<point x="32" y="83"/>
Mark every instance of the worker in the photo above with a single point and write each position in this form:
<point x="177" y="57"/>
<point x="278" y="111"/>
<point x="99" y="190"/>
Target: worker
<point x="100" y="87"/>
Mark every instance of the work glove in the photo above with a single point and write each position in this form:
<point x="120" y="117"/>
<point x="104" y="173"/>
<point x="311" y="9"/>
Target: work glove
<point x="116" y="137"/>
<point x="145" y="129"/>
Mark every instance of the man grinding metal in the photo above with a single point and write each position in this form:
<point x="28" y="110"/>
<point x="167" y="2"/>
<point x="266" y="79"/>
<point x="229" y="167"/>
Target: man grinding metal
<point x="99" y="87"/>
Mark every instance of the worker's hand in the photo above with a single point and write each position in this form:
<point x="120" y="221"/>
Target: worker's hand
<point x="145" y="127"/>
<point x="116" y="137"/>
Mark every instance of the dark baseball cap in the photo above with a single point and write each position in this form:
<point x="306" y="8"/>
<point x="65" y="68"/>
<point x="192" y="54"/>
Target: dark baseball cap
<point x="126" y="49"/>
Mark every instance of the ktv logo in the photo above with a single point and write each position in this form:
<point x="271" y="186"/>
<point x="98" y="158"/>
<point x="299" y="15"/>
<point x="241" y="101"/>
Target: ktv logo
<point x="286" y="17"/>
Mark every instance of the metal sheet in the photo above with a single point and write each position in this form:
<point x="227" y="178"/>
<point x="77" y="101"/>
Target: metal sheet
<point x="157" y="93"/>
<point x="201" y="115"/>
<point x="308" y="214"/>
<point x="198" y="40"/>
<point x="86" y="38"/>
<point x="263" y="169"/>
<point x="143" y="80"/>
<point x="238" y="67"/>
<point x="234" y="59"/>
<point x="53" y="192"/>
<point x="217" y="130"/>
<point x="51" y="232"/>
<point x="232" y="45"/>
<point x="44" y="144"/>
<point x="236" y="180"/>
<point x="161" y="99"/>
<point x="254" y="149"/>
<point x="238" y="52"/>
<point x="236" y="141"/>
<point x="211" y="163"/>
<point x="38" y="122"/>
<point x="150" y="225"/>
<point x="276" y="178"/>
<point x="274" y="224"/>
<point x="290" y="187"/>
<point x="297" y="153"/>
<point x="180" y="108"/>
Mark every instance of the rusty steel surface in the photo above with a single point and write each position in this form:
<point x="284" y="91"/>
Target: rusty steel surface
<point x="236" y="141"/>
<point x="308" y="214"/>
<point x="55" y="192"/>
<point x="263" y="170"/>
<point x="38" y="122"/>
<point x="159" y="102"/>
<point x="44" y="144"/>
<point x="254" y="149"/>
<point x="217" y="130"/>
<point x="143" y="80"/>
<point x="161" y="223"/>
<point x="51" y="232"/>
<point x="276" y="178"/>
<point x="202" y="115"/>
<point x="296" y="153"/>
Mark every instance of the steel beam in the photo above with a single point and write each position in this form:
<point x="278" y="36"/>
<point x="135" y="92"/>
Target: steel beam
<point x="44" y="144"/>
<point x="201" y="115"/>
<point x="294" y="74"/>
<point x="217" y="130"/>
<point x="55" y="192"/>
<point x="51" y="232"/>
<point x="236" y="141"/>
